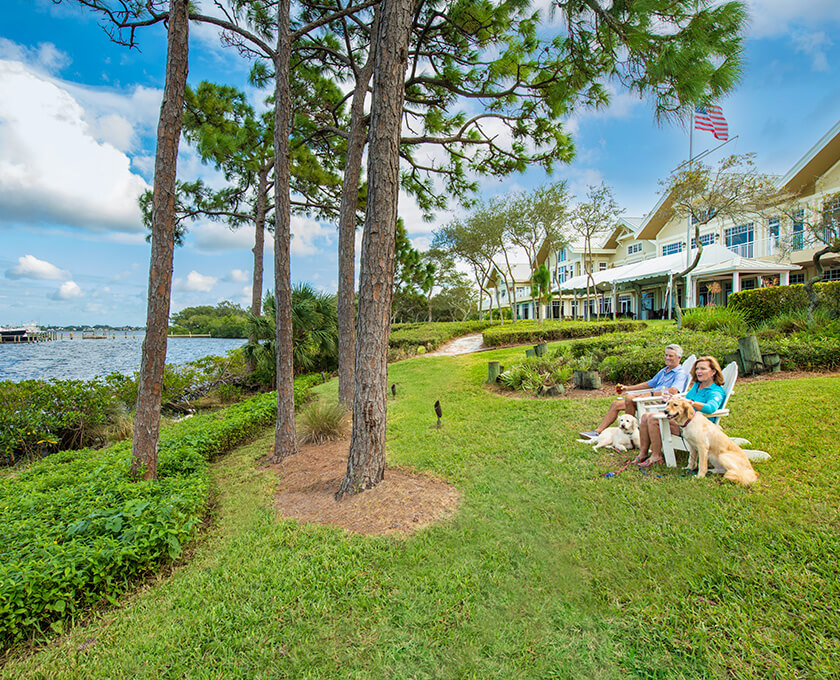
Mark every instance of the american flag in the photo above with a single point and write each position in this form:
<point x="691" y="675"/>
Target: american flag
<point x="710" y="119"/>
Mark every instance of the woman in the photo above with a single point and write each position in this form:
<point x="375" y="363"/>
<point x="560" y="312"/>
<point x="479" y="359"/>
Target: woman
<point x="706" y="395"/>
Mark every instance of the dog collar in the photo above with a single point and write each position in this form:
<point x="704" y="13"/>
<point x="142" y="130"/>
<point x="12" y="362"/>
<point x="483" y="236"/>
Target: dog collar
<point x="685" y="424"/>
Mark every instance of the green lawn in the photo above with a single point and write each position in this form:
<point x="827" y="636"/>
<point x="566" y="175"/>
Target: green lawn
<point x="548" y="570"/>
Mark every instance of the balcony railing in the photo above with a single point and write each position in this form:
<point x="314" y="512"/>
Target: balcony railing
<point x="743" y="249"/>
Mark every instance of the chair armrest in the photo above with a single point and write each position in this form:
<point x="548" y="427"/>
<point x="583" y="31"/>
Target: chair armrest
<point x="632" y="392"/>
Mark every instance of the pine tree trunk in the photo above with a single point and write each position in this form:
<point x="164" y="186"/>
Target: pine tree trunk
<point x="259" y="246"/>
<point x="150" y="388"/>
<point x="346" y="298"/>
<point x="366" y="462"/>
<point x="285" y="441"/>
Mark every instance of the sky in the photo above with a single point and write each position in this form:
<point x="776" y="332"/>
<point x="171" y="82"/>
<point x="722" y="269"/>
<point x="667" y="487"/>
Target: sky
<point x="78" y="115"/>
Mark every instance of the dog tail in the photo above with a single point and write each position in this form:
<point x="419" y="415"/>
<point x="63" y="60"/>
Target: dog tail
<point x="743" y="476"/>
<point x="755" y="455"/>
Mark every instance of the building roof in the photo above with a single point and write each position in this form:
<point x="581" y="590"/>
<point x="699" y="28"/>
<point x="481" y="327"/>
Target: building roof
<point x="819" y="159"/>
<point x="715" y="259"/>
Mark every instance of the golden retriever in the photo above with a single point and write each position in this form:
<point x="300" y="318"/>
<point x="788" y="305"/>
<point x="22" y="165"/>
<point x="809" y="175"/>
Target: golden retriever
<point x="621" y="438"/>
<point x="707" y="442"/>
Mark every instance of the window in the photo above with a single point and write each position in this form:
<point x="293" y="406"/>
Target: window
<point x="671" y="248"/>
<point x="747" y="284"/>
<point x="798" y="277"/>
<point x="704" y="216"/>
<point x="602" y="266"/>
<point x="832" y="274"/>
<point x="773" y="229"/>
<point x="555" y="309"/>
<point x="740" y="239"/>
<point x="799" y="229"/>
<point x="561" y="256"/>
<point x="606" y="305"/>
<point x="705" y="239"/>
<point x="625" y="304"/>
<point x="634" y="248"/>
<point x="562" y="274"/>
<point x="831" y="219"/>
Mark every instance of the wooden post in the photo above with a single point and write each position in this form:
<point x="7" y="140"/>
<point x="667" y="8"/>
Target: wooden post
<point x="736" y="357"/>
<point x="493" y="371"/>
<point x="530" y="352"/>
<point x="772" y="362"/>
<point x="541" y="349"/>
<point x="751" y="355"/>
<point x="587" y="380"/>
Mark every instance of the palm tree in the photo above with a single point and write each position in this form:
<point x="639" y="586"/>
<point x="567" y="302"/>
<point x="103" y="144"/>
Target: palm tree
<point x="314" y="333"/>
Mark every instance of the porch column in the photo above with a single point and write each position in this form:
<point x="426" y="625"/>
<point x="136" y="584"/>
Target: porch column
<point x="638" y="290"/>
<point x="614" y="301"/>
<point x="736" y="282"/>
<point x="689" y="291"/>
<point x="784" y="278"/>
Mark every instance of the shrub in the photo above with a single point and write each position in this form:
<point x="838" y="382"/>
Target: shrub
<point x="322" y="422"/>
<point x="528" y="332"/>
<point x="729" y="320"/>
<point x="430" y="336"/>
<point x="76" y="529"/>
<point x="764" y="303"/>
<point x="38" y="417"/>
<point x="536" y="373"/>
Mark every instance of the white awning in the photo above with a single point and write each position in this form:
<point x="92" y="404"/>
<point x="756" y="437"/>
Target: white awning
<point x="715" y="259"/>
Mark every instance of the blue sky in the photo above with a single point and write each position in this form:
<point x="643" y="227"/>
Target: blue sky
<point x="77" y="125"/>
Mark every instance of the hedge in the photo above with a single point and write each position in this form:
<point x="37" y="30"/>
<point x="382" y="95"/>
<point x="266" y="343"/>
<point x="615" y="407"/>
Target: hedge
<point x="760" y="304"/>
<point x="76" y="529"/>
<point x="527" y="332"/>
<point x="431" y="335"/>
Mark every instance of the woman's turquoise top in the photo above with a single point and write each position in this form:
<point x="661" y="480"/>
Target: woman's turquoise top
<point x="712" y="397"/>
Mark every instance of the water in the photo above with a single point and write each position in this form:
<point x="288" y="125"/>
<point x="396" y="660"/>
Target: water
<point x="85" y="359"/>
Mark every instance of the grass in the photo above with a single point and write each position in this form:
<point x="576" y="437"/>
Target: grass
<point x="548" y="570"/>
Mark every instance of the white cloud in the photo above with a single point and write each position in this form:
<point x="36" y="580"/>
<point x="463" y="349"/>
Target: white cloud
<point x="69" y="291"/>
<point x="776" y="17"/>
<point x="30" y="267"/>
<point x="814" y="45"/>
<point x="88" y="185"/>
<point x="310" y="237"/>
<point x="213" y="236"/>
<point x="195" y="282"/>
<point x="238" y="276"/>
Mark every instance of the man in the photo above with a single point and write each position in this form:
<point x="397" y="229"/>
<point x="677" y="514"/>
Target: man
<point x="672" y="375"/>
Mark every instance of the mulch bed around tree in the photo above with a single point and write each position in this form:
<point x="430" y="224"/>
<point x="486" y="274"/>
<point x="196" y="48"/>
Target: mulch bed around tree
<point x="401" y="504"/>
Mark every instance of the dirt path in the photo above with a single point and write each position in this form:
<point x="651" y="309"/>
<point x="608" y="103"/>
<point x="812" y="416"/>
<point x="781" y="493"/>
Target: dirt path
<point x="462" y="345"/>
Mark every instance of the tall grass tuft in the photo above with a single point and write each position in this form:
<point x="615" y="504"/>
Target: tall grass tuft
<point x="321" y="422"/>
<point x="726" y="319"/>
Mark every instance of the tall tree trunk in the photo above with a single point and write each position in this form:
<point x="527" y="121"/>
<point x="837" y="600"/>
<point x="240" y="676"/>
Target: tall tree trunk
<point x="285" y="441"/>
<point x="150" y="388"/>
<point x="259" y="246"/>
<point x="346" y="298"/>
<point x="366" y="462"/>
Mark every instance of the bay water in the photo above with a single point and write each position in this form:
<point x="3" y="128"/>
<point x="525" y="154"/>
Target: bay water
<point x="83" y="359"/>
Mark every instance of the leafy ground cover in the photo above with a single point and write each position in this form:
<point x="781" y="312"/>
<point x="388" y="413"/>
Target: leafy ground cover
<point x="547" y="570"/>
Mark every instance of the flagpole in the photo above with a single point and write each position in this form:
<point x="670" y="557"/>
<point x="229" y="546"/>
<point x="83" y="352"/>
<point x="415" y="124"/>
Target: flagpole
<point x="688" y="296"/>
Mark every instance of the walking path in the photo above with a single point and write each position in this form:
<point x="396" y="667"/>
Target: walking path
<point x="462" y="345"/>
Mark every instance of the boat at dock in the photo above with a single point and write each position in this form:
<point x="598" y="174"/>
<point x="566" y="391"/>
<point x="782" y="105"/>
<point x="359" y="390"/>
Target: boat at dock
<point x="25" y="333"/>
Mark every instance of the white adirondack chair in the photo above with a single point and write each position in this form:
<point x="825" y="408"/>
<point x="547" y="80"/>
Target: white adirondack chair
<point x="645" y="404"/>
<point x="671" y="442"/>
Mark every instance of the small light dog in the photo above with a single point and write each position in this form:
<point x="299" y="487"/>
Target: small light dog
<point x="708" y="443"/>
<point x="621" y="438"/>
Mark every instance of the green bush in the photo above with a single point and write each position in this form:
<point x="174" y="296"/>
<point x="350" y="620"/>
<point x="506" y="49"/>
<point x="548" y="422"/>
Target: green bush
<point x="76" y="529"/>
<point x="322" y="422"/>
<point x="764" y="303"/>
<point x="38" y="417"/>
<point x="536" y="373"/>
<point x="431" y="335"/>
<point x="528" y="332"/>
<point x="729" y="320"/>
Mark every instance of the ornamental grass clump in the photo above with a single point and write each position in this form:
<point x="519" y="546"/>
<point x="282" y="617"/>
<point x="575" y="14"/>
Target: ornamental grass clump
<point x="536" y="374"/>
<point x="321" y="422"/>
